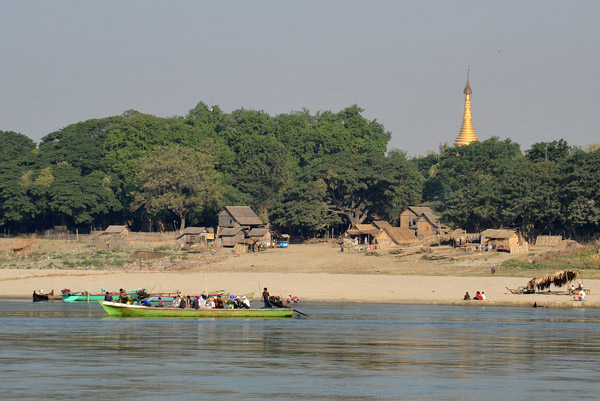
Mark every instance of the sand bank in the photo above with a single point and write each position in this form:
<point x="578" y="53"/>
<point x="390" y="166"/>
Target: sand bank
<point x="312" y="287"/>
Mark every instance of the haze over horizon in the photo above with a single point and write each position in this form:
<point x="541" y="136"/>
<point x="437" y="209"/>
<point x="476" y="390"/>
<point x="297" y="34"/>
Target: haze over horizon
<point x="534" y="69"/>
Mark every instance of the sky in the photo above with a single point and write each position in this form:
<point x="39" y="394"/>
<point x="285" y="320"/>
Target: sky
<point x="534" y="65"/>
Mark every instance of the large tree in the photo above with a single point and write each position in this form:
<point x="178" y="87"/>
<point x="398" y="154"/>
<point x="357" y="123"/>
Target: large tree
<point x="176" y="179"/>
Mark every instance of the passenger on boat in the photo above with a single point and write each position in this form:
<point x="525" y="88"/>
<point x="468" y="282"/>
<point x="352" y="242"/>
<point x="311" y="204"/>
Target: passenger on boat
<point x="219" y="302"/>
<point x="108" y="297"/>
<point x="202" y="302"/>
<point x="265" y="297"/>
<point x="176" y="301"/>
<point x="145" y="302"/>
<point x="182" y="303"/>
<point x="467" y="297"/>
<point x="196" y="303"/>
<point x="161" y="303"/>
<point x="246" y="302"/>
<point x="211" y="303"/>
<point x="123" y="298"/>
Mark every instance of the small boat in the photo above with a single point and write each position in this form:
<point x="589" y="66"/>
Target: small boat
<point x="40" y="297"/>
<point x="126" y="310"/>
<point x="96" y="295"/>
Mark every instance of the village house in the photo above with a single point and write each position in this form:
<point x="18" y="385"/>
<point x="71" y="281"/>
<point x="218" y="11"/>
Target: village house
<point x="113" y="237"/>
<point x="382" y="234"/>
<point x="423" y="221"/>
<point x="503" y="240"/>
<point x="196" y="235"/>
<point x="235" y="223"/>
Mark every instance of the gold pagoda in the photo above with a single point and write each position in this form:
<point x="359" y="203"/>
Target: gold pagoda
<point x="467" y="132"/>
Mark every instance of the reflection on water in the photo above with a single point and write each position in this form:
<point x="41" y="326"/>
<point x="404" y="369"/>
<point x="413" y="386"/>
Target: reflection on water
<point x="342" y="352"/>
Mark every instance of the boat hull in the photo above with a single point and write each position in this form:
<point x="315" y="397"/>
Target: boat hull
<point x="123" y="310"/>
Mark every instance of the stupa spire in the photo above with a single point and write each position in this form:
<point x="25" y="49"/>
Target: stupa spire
<point x="467" y="132"/>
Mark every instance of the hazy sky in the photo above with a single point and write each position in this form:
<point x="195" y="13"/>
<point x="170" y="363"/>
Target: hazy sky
<point x="535" y="65"/>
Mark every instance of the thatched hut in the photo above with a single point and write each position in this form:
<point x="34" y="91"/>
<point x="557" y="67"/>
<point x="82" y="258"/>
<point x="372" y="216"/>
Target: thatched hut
<point x="557" y="279"/>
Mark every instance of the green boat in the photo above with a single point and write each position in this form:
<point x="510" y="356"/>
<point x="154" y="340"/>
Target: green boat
<point x="95" y="295"/>
<point x="124" y="310"/>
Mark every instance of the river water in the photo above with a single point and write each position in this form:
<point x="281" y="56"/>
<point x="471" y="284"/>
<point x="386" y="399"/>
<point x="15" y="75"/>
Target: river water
<point x="341" y="352"/>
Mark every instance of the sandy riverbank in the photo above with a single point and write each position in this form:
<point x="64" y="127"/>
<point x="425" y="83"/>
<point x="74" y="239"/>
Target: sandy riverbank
<point x="317" y="272"/>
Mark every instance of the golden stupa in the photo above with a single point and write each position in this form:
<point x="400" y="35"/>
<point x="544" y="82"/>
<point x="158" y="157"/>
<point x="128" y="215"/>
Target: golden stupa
<point x="467" y="132"/>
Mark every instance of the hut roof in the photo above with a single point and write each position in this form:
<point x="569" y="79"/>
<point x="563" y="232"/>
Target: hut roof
<point x="419" y="210"/>
<point x="115" y="229"/>
<point x="258" y="232"/>
<point x="229" y="232"/>
<point x="243" y="215"/>
<point x="558" y="278"/>
<point x="382" y="224"/>
<point x="363" y="229"/>
<point x="498" y="233"/>
<point x="401" y="236"/>
<point x="195" y="231"/>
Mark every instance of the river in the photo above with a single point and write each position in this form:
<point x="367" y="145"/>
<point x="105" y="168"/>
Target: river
<point x="340" y="352"/>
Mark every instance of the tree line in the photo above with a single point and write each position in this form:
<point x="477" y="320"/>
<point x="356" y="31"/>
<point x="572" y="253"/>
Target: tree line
<point x="304" y="173"/>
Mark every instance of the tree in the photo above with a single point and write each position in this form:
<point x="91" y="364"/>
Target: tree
<point x="358" y="185"/>
<point x="17" y="154"/>
<point x="301" y="208"/>
<point x="176" y="179"/>
<point x="580" y="194"/>
<point x="555" y="151"/>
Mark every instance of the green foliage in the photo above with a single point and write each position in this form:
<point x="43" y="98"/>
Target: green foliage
<point x="176" y="179"/>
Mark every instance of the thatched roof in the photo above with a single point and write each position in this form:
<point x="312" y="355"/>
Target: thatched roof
<point x="229" y="232"/>
<point x="498" y="233"/>
<point x="382" y="224"/>
<point x="559" y="279"/>
<point x="401" y="236"/>
<point x="258" y="232"/>
<point x="363" y="229"/>
<point x="115" y="230"/>
<point x="244" y="215"/>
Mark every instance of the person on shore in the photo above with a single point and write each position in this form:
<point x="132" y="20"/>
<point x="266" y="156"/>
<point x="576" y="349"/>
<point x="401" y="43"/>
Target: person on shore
<point x="582" y="295"/>
<point x="493" y="270"/>
<point x="266" y="300"/>
<point x="478" y="296"/>
<point x="108" y="297"/>
<point x="482" y="296"/>
<point x="576" y="296"/>
<point x="467" y="297"/>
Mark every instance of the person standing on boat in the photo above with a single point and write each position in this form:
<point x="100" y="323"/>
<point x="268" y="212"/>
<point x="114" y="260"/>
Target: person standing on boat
<point x="266" y="300"/>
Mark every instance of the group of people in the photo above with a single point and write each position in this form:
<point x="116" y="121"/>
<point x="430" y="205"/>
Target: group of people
<point x="479" y="296"/>
<point x="578" y="292"/>
<point x="205" y="302"/>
